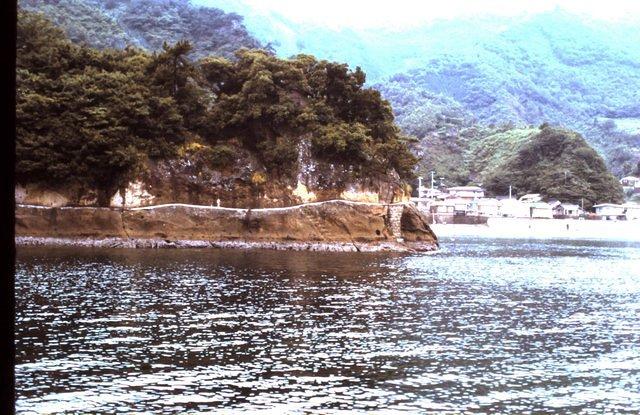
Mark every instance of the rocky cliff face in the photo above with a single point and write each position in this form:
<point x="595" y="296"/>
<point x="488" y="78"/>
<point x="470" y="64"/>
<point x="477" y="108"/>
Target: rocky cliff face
<point x="190" y="179"/>
<point x="340" y="225"/>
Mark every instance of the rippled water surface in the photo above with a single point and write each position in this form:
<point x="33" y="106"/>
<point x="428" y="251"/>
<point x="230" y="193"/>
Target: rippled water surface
<point x="480" y="327"/>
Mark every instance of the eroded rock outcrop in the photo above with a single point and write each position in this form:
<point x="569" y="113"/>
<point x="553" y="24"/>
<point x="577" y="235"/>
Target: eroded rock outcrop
<point x="332" y="225"/>
<point x="189" y="178"/>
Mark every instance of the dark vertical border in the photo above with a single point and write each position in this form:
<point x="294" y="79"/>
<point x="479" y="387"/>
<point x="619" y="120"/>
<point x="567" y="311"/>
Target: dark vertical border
<point x="7" y="300"/>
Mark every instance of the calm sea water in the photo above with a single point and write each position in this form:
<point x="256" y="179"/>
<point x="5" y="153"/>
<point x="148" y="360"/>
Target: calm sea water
<point x="480" y="327"/>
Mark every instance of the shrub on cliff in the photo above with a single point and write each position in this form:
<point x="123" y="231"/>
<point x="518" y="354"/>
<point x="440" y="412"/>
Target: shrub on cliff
<point x="271" y="102"/>
<point x="221" y="155"/>
<point x="343" y="142"/>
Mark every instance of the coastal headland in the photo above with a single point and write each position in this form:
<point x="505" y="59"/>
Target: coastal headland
<point x="335" y="225"/>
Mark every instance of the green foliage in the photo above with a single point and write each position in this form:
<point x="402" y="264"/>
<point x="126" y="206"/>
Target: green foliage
<point x="396" y="155"/>
<point x="256" y="97"/>
<point x="91" y="117"/>
<point x="268" y="102"/>
<point x="219" y="156"/>
<point x="279" y="155"/>
<point x="172" y="76"/>
<point x="222" y="155"/>
<point x="82" y="115"/>
<point x="343" y="142"/>
<point x="554" y="162"/>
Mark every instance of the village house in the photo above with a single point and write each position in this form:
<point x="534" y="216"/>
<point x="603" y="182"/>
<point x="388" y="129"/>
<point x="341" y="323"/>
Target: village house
<point x="432" y="193"/>
<point x="486" y="207"/>
<point x="449" y="206"/>
<point x="554" y="203"/>
<point x="540" y="210"/>
<point x="466" y="192"/>
<point x="512" y="208"/>
<point x="630" y="182"/>
<point x="441" y="207"/>
<point x="610" y="211"/>
<point x="566" y="210"/>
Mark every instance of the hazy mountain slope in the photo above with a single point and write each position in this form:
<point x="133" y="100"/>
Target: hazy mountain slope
<point x="146" y="24"/>
<point x="553" y="67"/>
<point x="549" y="69"/>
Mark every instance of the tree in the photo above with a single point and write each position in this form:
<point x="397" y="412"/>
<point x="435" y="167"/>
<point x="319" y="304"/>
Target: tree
<point x="83" y="116"/>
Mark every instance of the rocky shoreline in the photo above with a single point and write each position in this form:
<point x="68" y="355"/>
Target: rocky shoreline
<point x="334" y="226"/>
<point x="194" y="244"/>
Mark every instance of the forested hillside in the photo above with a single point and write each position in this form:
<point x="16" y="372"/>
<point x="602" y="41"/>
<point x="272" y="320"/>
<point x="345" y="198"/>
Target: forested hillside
<point x="555" y="162"/>
<point x="95" y="118"/>
<point x="463" y="82"/>
<point x="553" y="67"/>
<point x="146" y="24"/>
<point x="551" y="161"/>
<point x="530" y="159"/>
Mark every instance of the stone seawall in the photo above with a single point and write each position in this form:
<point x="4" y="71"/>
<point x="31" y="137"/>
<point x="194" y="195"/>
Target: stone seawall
<point x="332" y="225"/>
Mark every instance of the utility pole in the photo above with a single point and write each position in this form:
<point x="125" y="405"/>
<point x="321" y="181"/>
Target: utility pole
<point x="509" y="191"/>
<point x="432" y="173"/>
<point x="420" y="187"/>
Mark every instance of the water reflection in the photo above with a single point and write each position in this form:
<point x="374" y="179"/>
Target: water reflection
<point x="506" y="327"/>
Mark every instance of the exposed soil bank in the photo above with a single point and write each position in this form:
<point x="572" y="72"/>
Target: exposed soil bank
<point x="328" y="226"/>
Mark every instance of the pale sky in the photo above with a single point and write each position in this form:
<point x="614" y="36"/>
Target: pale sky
<point x="379" y="13"/>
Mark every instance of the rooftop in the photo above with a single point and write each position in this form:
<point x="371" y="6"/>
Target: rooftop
<point x="540" y="205"/>
<point x="467" y="188"/>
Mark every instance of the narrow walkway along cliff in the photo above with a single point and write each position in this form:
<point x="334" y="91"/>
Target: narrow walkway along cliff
<point x="335" y="225"/>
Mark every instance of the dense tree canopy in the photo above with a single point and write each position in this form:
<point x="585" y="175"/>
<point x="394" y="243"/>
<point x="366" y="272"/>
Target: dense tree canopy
<point x="82" y="115"/>
<point x="92" y="117"/>
<point x="263" y="99"/>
